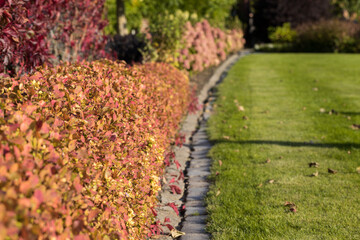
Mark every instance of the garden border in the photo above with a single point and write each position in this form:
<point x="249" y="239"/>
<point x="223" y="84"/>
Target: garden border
<point x="192" y="157"/>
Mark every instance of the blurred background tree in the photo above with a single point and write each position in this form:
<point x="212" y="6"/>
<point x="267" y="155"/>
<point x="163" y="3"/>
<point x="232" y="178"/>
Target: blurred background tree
<point x="348" y="9"/>
<point x="272" y="13"/>
<point x="218" y="12"/>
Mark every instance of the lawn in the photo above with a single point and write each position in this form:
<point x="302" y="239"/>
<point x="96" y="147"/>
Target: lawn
<point x="298" y="109"/>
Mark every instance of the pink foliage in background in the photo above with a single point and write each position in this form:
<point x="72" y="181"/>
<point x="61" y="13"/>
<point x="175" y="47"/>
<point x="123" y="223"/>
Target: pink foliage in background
<point x="205" y="46"/>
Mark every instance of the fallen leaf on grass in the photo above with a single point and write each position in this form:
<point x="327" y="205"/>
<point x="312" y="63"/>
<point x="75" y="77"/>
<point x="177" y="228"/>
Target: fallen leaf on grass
<point x="245" y="117"/>
<point x="217" y="193"/>
<point x="268" y="160"/>
<point x="289" y="204"/>
<point x="322" y="110"/>
<point x="271" y="181"/>
<point x="226" y="137"/>
<point x="358" y="169"/>
<point x="175" y="233"/>
<point x="314" y="164"/>
<point x="315" y="89"/>
<point x="293" y="209"/>
<point x="245" y="127"/>
<point x="355" y="126"/>
<point x="241" y="108"/>
<point x="315" y="174"/>
<point x="220" y="163"/>
<point x="332" y="171"/>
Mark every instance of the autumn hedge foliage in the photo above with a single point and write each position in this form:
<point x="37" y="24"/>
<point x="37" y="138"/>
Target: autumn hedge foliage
<point x="82" y="149"/>
<point x="205" y="46"/>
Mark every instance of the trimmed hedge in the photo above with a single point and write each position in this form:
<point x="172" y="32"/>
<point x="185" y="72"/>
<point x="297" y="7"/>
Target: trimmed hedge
<point x="34" y="32"/>
<point x="82" y="149"/>
<point x="206" y="46"/>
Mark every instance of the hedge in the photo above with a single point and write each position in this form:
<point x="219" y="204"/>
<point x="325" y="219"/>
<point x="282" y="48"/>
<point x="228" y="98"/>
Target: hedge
<point x="35" y="32"/>
<point x="82" y="149"/>
<point x="205" y="46"/>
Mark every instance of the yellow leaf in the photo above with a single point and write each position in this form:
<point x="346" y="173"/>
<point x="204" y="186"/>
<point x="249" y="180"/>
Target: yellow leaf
<point x="175" y="233"/>
<point x="72" y="145"/>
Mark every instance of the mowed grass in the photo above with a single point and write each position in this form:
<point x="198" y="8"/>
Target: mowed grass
<point x="284" y="97"/>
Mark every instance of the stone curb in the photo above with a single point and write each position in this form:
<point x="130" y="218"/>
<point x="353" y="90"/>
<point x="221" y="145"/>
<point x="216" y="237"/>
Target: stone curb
<point x="195" y="164"/>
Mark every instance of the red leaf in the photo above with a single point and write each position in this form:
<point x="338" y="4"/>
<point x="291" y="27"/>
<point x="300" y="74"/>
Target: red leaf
<point x="57" y="92"/>
<point x="93" y="214"/>
<point x="172" y="180"/>
<point x="181" y="176"/>
<point x="169" y="227"/>
<point x="173" y="206"/>
<point x="82" y="237"/>
<point x="26" y="122"/>
<point x="77" y="185"/>
<point x="38" y="194"/>
<point x="175" y="189"/>
<point x="45" y="128"/>
<point x="154" y="212"/>
<point x="177" y="164"/>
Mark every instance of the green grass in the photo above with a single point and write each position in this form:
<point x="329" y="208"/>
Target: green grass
<point x="278" y="92"/>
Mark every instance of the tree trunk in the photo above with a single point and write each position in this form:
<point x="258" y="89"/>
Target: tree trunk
<point x="121" y="19"/>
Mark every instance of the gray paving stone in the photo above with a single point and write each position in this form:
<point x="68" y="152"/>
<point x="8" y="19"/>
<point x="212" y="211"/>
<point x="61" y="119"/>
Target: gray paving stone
<point x="193" y="228"/>
<point x="196" y="219"/>
<point x="195" y="236"/>
<point x="195" y="211"/>
<point x="201" y="184"/>
<point x="198" y="179"/>
<point x="200" y="153"/>
<point x="200" y="163"/>
<point x="195" y="203"/>
<point x="199" y="135"/>
<point x="196" y="197"/>
<point x="193" y="172"/>
<point x="202" y="148"/>
<point x="196" y="194"/>
<point x="207" y="115"/>
<point x="202" y="144"/>
<point x="200" y="141"/>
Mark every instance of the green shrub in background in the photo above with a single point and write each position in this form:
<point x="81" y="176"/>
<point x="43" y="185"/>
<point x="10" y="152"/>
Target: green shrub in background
<point x="350" y="9"/>
<point x="134" y="13"/>
<point x="282" y="34"/>
<point x="328" y="36"/>
<point x="166" y="34"/>
<point x="216" y="11"/>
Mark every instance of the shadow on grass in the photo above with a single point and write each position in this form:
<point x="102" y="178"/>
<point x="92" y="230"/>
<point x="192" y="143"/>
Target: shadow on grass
<point x="350" y="113"/>
<point x="345" y="146"/>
